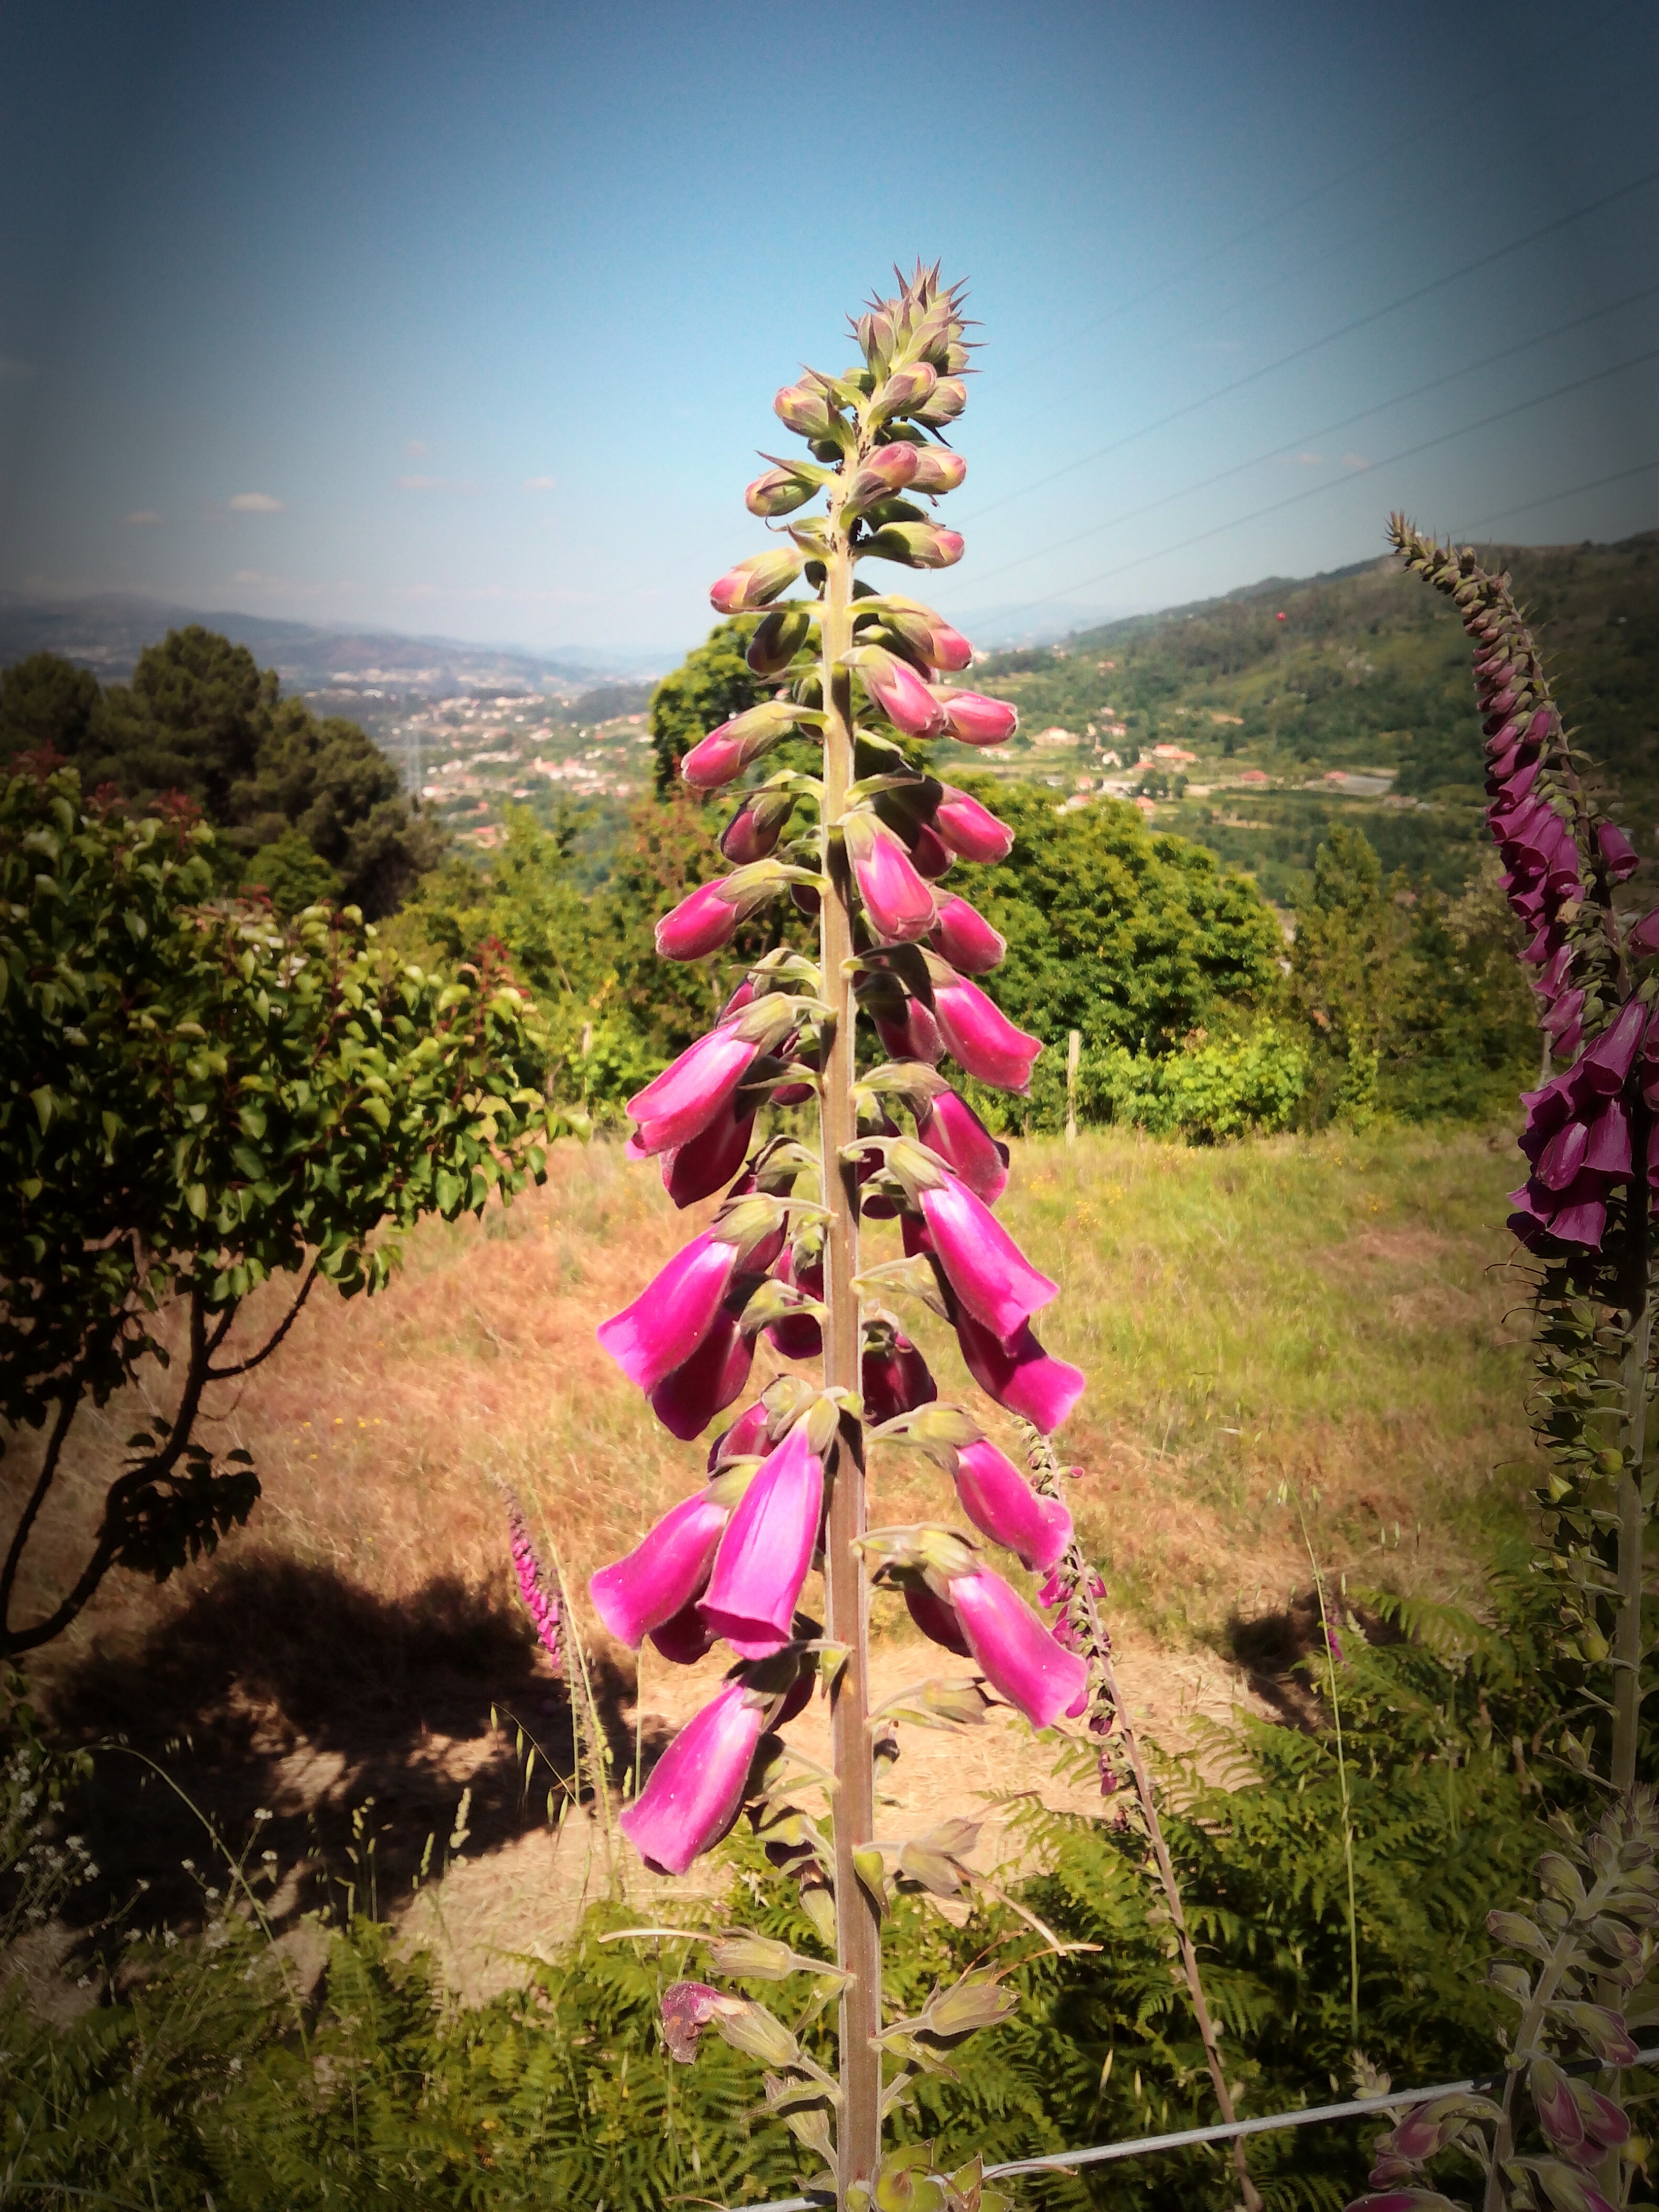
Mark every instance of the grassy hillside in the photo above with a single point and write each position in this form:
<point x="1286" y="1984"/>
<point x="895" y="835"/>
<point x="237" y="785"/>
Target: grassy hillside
<point x="1362" y="675"/>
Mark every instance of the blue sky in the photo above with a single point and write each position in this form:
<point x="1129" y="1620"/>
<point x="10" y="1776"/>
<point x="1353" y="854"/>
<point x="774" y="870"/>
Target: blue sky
<point x="467" y="321"/>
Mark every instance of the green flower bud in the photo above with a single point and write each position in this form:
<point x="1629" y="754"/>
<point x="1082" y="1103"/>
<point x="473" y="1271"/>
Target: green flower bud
<point x="915" y="544"/>
<point x="944" y="403"/>
<point x="779" y="638"/>
<point x="781" y="491"/>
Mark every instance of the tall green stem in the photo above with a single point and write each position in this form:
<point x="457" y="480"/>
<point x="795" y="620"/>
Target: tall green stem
<point x="1341" y="1778"/>
<point x="858" y="1930"/>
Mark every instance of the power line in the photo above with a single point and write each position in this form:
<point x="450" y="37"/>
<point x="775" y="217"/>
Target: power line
<point x="1390" y="152"/>
<point x="1326" y="430"/>
<point x="1314" y="491"/>
<point x="1596" y="484"/>
<point x="1316" y="345"/>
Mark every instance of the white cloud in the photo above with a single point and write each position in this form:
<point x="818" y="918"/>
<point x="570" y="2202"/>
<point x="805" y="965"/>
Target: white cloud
<point x="1355" y="461"/>
<point x="540" y="483"/>
<point x="417" y="449"/>
<point x="247" y="576"/>
<point x="255" y="502"/>
<point x="436" y="484"/>
<point x="142" y="514"/>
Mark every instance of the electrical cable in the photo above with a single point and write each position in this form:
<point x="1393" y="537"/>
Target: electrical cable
<point x="1337" y="483"/>
<point x="1325" y="430"/>
<point x="1315" y="345"/>
<point x="1388" y="153"/>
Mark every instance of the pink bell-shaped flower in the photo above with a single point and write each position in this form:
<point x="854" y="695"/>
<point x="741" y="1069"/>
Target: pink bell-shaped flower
<point x="949" y="1127"/>
<point x="981" y="1037"/>
<point x="766" y="1550"/>
<point x="974" y="720"/>
<point x="746" y="1436"/>
<point x="898" y="903"/>
<point x="937" y="1619"/>
<point x="1000" y="1503"/>
<point x="914" y="1035"/>
<point x="693" y="1090"/>
<point x="995" y="1282"/>
<point x="707" y="1162"/>
<point x="1016" y="1653"/>
<point x="895" y="1379"/>
<point x="965" y="937"/>
<point x="686" y="1638"/>
<point x="701" y="923"/>
<point x="1019" y="1374"/>
<point x="674" y="1313"/>
<point x="664" y="1572"/>
<point x="695" y="1789"/>
<point x="902" y="695"/>
<point x="686" y="1400"/>
<point x="971" y="831"/>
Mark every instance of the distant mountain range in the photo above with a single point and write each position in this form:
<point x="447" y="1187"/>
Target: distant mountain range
<point x="106" y="633"/>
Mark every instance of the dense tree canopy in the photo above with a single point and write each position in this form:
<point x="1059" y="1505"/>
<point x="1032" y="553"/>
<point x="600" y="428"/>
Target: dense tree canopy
<point x="309" y="807"/>
<point x="194" y="1098"/>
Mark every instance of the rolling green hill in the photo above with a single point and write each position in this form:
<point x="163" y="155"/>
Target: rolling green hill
<point x="1349" y="693"/>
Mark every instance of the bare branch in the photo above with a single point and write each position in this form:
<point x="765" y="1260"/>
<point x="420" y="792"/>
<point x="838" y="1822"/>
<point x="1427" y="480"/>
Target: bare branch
<point x="246" y="1366"/>
<point x="68" y="1405"/>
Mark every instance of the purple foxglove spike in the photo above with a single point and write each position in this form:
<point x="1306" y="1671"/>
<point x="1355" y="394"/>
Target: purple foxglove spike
<point x="662" y="1574"/>
<point x="1610" y="1059"/>
<point x="981" y="1038"/>
<point x="895" y="1381"/>
<point x="930" y="856"/>
<point x="767" y="1549"/>
<point x="1015" y="1652"/>
<point x="1000" y="1503"/>
<point x="695" y="1789"/>
<point x="757" y="582"/>
<point x="1644" y="935"/>
<point x="938" y="1621"/>
<point x="693" y="1090"/>
<point x="898" y="903"/>
<point x="1518" y="782"/>
<point x="701" y="923"/>
<point x="1607" y="1151"/>
<point x="1619" y="855"/>
<point x="916" y="1037"/>
<point x="898" y="692"/>
<point x="686" y="1638"/>
<point x="1583" y="1221"/>
<point x="989" y="1273"/>
<point x="966" y="939"/>
<point x="673" y="1315"/>
<point x="1019" y="1374"/>
<point x="972" y="831"/>
<point x="540" y="1602"/>
<point x="974" y="720"/>
<point x="688" y="1398"/>
<point x="1552" y="979"/>
<point x="707" y="1162"/>
<point x="949" y="1127"/>
<point x="1562" y="1015"/>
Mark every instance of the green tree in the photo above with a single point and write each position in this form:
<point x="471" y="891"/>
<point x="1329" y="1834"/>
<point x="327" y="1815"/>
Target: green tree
<point x="199" y="717"/>
<point x="1132" y="939"/>
<point x="1349" y="971"/>
<point x="195" y="1097"/>
<point x="711" y="684"/>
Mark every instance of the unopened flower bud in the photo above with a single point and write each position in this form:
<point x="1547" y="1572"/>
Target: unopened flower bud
<point x="725" y="752"/>
<point x="779" y="638"/>
<point x="905" y="391"/>
<point x="755" y="828"/>
<point x="757" y="582"/>
<point x="804" y="410"/>
<point x="927" y="634"/>
<point x="780" y="491"/>
<point x="915" y="544"/>
<point x="944" y="403"/>
<point x="888" y="470"/>
<point x="898" y="690"/>
<point x="976" y="720"/>
<point x="938" y="470"/>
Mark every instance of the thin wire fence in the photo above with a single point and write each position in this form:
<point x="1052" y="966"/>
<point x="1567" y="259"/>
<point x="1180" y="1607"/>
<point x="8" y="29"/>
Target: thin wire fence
<point x="1307" y="2116"/>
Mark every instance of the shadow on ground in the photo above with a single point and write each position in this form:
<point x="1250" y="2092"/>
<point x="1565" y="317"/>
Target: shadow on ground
<point x="1280" y="1654"/>
<point x="356" y="1722"/>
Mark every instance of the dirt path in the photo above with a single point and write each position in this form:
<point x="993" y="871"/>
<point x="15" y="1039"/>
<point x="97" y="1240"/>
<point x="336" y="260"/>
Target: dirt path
<point x="525" y="1896"/>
